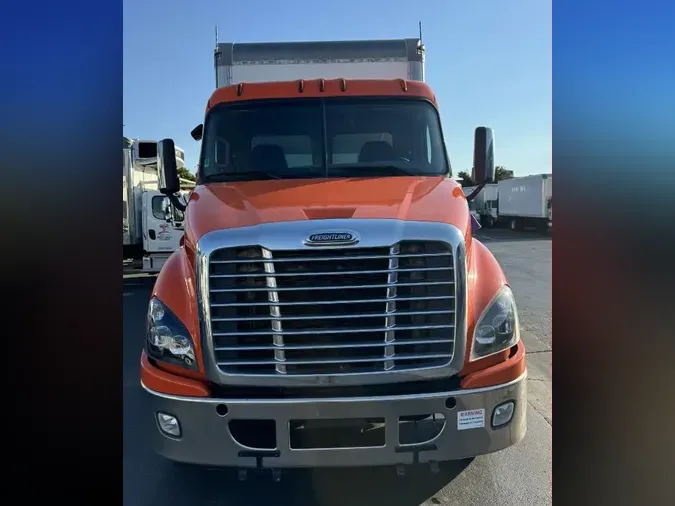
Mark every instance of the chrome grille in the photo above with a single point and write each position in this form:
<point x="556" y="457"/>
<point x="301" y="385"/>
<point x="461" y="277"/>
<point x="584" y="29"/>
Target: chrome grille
<point x="332" y="311"/>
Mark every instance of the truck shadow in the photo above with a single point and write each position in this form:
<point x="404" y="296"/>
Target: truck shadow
<point x="323" y="487"/>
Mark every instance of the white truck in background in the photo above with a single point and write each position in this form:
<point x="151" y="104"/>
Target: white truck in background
<point x="487" y="205"/>
<point x="151" y="226"/>
<point x="526" y="202"/>
<point x="473" y="207"/>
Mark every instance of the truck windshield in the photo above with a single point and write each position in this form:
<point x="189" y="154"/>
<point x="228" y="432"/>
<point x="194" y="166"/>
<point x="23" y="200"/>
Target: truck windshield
<point x="322" y="138"/>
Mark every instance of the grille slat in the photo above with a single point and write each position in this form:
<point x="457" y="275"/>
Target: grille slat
<point x="333" y="311"/>
<point x="329" y="273"/>
<point x="325" y="259"/>
<point x="331" y="346"/>
<point x="334" y="361"/>
<point x="362" y="301"/>
<point x="334" y="331"/>
<point x="327" y="317"/>
<point x="338" y="287"/>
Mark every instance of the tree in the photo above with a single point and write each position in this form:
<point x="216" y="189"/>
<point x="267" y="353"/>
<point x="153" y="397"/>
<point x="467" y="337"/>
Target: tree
<point x="183" y="173"/>
<point x="464" y="178"/>
<point x="502" y="173"/>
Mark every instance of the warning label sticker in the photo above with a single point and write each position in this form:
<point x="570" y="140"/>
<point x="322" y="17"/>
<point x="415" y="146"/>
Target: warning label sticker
<point x="471" y="419"/>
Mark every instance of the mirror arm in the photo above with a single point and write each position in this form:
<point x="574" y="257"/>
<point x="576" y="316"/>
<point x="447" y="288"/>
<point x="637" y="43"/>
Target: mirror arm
<point x="176" y="202"/>
<point x="473" y="194"/>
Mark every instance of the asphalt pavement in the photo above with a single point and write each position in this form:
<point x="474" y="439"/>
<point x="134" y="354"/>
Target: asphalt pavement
<point x="520" y="475"/>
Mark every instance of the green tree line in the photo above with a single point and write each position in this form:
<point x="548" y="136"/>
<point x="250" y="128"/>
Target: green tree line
<point x="501" y="173"/>
<point x="183" y="173"/>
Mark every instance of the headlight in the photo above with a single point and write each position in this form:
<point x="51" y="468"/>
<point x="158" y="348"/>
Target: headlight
<point x="497" y="328"/>
<point x="167" y="338"/>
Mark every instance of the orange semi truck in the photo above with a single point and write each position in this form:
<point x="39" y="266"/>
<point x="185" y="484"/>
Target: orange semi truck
<point x="328" y="305"/>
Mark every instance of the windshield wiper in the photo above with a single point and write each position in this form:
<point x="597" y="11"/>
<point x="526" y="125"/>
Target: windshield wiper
<point x="237" y="176"/>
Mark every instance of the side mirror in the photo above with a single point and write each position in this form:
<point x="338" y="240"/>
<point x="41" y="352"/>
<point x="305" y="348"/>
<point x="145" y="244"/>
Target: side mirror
<point x="169" y="183"/>
<point x="197" y="132"/>
<point x="483" y="156"/>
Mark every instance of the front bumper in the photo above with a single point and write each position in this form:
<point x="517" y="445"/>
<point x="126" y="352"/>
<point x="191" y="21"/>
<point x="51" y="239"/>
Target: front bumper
<point x="207" y="440"/>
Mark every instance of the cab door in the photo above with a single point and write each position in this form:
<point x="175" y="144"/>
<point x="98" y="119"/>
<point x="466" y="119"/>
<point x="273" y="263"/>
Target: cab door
<point x="161" y="232"/>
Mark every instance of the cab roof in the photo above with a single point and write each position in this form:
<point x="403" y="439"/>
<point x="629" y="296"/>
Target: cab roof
<point x="317" y="88"/>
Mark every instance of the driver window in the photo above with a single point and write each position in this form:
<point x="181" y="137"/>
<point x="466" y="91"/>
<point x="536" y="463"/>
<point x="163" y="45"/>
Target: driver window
<point x="160" y="207"/>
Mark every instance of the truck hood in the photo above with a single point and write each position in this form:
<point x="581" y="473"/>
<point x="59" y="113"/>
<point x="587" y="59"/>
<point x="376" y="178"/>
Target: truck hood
<point x="243" y="204"/>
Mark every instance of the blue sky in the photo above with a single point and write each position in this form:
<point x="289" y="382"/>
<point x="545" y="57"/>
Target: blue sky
<point x="488" y="61"/>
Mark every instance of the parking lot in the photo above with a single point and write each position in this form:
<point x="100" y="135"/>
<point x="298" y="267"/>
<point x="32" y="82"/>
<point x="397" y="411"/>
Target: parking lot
<point x="520" y="475"/>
